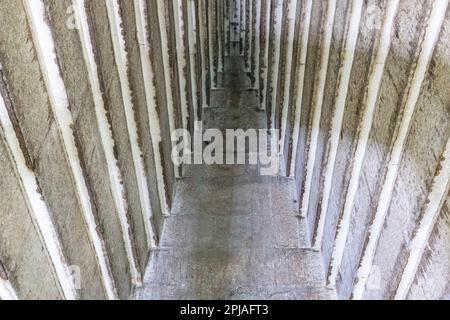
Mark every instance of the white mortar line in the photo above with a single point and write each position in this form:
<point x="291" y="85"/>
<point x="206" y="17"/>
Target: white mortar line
<point x="219" y="26"/>
<point x="243" y="24"/>
<point x="250" y="35"/>
<point x="39" y="212"/>
<point x="348" y="54"/>
<point x="121" y="59"/>
<point x="237" y="21"/>
<point x="427" y="45"/>
<point x="286" y="108"/>
<point x="181" y="58"/>
<point x="265" y="52"/>
<point x="7" y="292"/>
<point x="107" y="140"/>
<point x="233" y="11"/>
<point x="365" y="125"/>
<point x="140" y="8"/>
<point x="45" y="48"/>
<point x="300" y="82"/>
<point x="229" y="27"/>
<point x="191" y="20"/>
<point x="435" y="201"/>
<point x="225" y="34"/>
<point x="167" y="70"/>
<point x="317" y="104"/>
<point x="277" y="59"/>
<point x="257" y="45"/>
<point x="226" y="24"/>
<point x="202" y="25"/>
<point x="211" y="36"/>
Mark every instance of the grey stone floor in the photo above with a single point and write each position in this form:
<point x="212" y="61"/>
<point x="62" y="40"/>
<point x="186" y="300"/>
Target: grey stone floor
<point x="233" y="234"/>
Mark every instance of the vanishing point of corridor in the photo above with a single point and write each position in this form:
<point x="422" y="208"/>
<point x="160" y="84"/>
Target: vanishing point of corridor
<point x="234" y="233"/>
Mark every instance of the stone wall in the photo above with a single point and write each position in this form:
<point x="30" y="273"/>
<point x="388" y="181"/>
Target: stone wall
<point x="370" y="144"/>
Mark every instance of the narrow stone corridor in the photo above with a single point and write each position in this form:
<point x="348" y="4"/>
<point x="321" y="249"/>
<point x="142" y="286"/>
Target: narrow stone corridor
<point x="233" y="233"/>
<point x="103" y="197"/>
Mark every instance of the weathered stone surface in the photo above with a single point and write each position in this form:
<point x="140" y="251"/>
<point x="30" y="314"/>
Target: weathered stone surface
<point x="21" y="250"/>
<point x="158" y="67"/>
<point x="230" y="116"/>
<point x="241" y="194"/>
<point x="372" y="17"/>
<point x="342" y="15"/>
<point x="142" y="119"/>
<point x="318" y="11"/>
<point x="30" y="102"/>
<point x="24" y="78"/>
<point x="111" y="87"/>
<point x="75" y="76"/>
<point x="238" y="293"/>
<point x="234" y="231"/>
<point x="212" y="171"/>
<point x="433" y="278"/>
<point x="394" y="81"/>
<point x="235" y="274"/>
<point x="53" y="174"/>
<point x="425" y="144"/>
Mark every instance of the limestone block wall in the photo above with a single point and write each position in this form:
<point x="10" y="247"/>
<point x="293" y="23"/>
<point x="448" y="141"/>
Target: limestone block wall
<point x="366" y="137"/>
<point x="86" y="170"/>
<point x="357" y="90"/>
